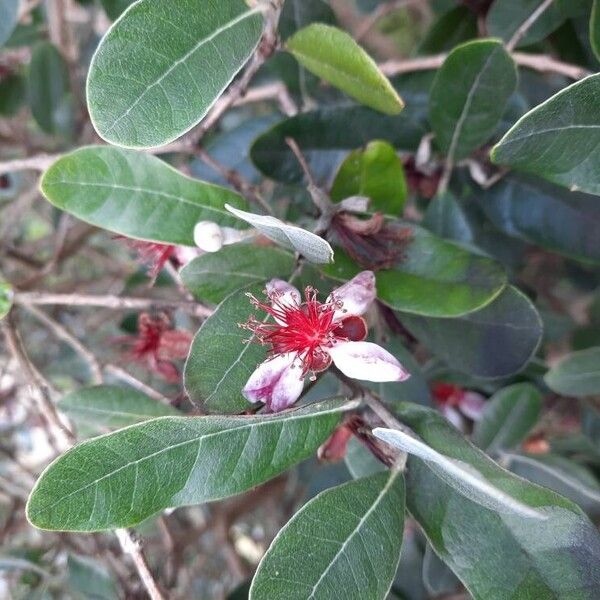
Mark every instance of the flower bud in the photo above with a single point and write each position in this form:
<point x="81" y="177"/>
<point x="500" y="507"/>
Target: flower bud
<point x="208" y="236"/>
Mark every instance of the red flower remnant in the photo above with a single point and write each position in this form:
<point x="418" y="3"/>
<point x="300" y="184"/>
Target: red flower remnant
<point x="153" y="255"/>
<point x="334" y="449"/>
<point x="372" y="242"/>
<point x="156" y="345"/>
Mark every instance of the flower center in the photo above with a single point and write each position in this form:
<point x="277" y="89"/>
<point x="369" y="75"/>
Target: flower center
<point x="305" y="328"/>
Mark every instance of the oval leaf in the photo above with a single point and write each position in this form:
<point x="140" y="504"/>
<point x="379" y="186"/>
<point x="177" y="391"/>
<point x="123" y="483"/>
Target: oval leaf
<point x="595" y="28"/>
<point x="546" y="215"/>
<point x="48" y="84"/>
<point x="327" y="547"/>
<point x="214" y="275"/>
<point x="463" y="478"/>
<point x="496" y="341"/>
<point x="559" y="140"/>
<point x="111" y="406"/>
<point x="333" y="55"/>
<point x="135" y="194"/>
<point x="376" y="173"/>
<point x="577" y="375"/>
<point x="215" y="379"/>
<point x="469" y="96"/>
<point x="173" y="461"/>
<point x="311" y="246"/>
<point x="506" y="554"/>
<point x="434" y="277"/>
<point x="564" y="476"/>
<point x="507" y="16"/>
<point x="508" y="416"/>
<point x="325" y="138"/>
<point x="137" y="103"/>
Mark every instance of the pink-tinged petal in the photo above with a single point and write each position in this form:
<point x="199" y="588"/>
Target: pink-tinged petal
<point x="471" y="405"/>
<point x="366" y="361"/>
<point x="286" y="294"/>
<point x="185" y="254"/>
<point x="277" y="382"/>
<point x="454" y="417"/>
<point x="355" y="296"/>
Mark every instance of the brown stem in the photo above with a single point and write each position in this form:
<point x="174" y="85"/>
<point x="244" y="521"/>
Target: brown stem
<point x="110" y="301"/>
<point x="133" y="547"/>
<point x="66" y="336"/>
<point x="46" y="406"/>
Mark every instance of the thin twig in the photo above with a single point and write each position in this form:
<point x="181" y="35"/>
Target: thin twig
<point x="110" y="301"/>
<point x="133" y="547"/>
<point x="66" y="336"/>
<point x="527" y="24"/>
<point x="538" y="62"/>
<point x="238" y="182"/>
<point x="39" y="162"/>
<point x="46" y="406"/>
<point x="122" y="374"/>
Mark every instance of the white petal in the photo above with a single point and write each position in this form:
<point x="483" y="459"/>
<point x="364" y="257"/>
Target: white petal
<point x="184" y="254"/>
<point x="454" y="417"/>
<point x="276" y="382"/>
<point x="286" y="294"/>
<point x="471" y="405"/>
<point x="367" y="361"/>
<point x="356" y="296"/>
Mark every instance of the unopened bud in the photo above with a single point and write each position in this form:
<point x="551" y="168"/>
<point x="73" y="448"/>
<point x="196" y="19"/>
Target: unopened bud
<point x="208" y="236"/>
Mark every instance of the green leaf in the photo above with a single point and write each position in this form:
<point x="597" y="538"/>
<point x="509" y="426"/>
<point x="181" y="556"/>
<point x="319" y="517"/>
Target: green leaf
<point x="114" y="8"/>
<point x="325" y="138"/>
<point x="138" y="102"/>
<point x="508" y="416"/>
<point x="467" y="481"/>
<point x="499" y="554"/>
<point x="170" y="462"/>
<point x="445" y="217"/>
<point x="327" y="548"/>
<point x="595" y="28"/>
<point x="215" y="379"/>
<point x="213" y="276"/>
<point x="450" y="29"/>
<point x="9" y="10"/>
<point x="577" y="375"/>
<point x="469" y="96"/>
<point x="496" y="341"/>
<point x="375" y="172"/>
<point x="333" y="55"/>
<point x="359" y="461"/>
<point x="89" y="579"/>
<point x="564" y="476"/>
<point x="506" y="16"/>
<point x="559" y="140"/>
<point x="313" y="247"/>
<point x="48" y="89"/>
<point x="12" y="94"/>
<point x="6" y="298"/>
<point x="297" y="14"/>
<point x="135" y="194"/>
<point x="546" y="215"/>
<point x="111" y="406"/>
<point x="434" y="277"/>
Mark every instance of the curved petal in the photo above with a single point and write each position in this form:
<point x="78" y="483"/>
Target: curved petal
<point x="277" y="382"/>
<point x="355" y="296"/>
<point x="284" y="294"/>
<point x="367" y="361"/>
<point x="471" y="405"/>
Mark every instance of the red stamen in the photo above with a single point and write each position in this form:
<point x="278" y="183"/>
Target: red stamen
<point x="306" y="328"/>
